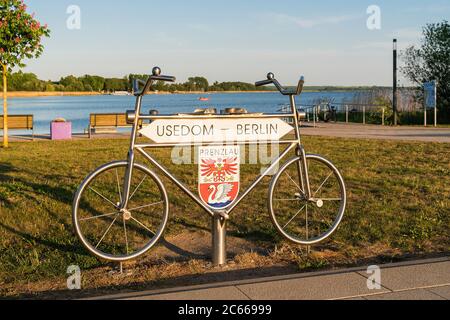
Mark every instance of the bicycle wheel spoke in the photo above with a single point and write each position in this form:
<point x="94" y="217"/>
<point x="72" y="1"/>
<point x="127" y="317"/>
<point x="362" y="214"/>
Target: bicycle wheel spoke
<point x="98" y="217"/>
<point x="295" y="183"/>
<point x="118" y="186"/>
<point x="146" y="206"/>
<point x="292" y="219"/>
<point x="143" y="225"/>
<point x="103" y="197"/>
<point x="135" y="190"/>
<point x="320" y="216"/>
<point x="323" y="183"/>
<point x="103" y="233"/>
<point x="126" y="236"/>
<point x="322" y="209"/>
<point x="107" y="230"/>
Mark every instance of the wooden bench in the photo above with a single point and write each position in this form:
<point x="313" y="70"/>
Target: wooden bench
<point x="107" y="121"/>
<point x="19" y="122"/>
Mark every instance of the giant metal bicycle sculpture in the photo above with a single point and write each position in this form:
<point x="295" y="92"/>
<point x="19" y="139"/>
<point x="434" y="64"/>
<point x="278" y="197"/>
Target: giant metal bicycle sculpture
<point x="121" y="210"/>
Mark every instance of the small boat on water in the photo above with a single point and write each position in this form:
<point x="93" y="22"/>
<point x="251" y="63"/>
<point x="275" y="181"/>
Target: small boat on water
<point x="121" y="93"/>
<point x="203" y="99"/>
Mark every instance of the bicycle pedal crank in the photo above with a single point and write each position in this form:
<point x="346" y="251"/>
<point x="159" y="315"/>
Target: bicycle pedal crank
<point x="319" y="202"/>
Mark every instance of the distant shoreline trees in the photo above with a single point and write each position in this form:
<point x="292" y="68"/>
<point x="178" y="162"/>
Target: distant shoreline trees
<point x="20" y="81"/>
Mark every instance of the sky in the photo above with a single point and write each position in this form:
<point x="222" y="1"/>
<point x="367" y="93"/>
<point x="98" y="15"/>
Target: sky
<point x="328" y="42"/>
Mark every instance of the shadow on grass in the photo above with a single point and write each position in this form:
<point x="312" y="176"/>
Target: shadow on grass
<point x="244" y="231"/>
<point x="64" y="196"/>
<point x="6" y="168"/>
<point x="81" y="251"/>
<point x="185" y="280"/>
<point x="182" y="252"/>
<point x="58" y="193"/>
<point x="50" y="244"/>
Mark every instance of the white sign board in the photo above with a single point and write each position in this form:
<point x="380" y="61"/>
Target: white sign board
<point x="216" y="130"/>
<point x="430" y="94"/>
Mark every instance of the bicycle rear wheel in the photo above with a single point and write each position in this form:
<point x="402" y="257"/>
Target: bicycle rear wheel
<point x="114" y="234"/>
<point x="301" y="220"/>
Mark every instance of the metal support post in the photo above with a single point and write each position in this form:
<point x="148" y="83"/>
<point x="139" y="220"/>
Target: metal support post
<point x="425" y="117"/>
<point x="394" y="96"/>
<point x="346" y="114"/>
<point x="219" y="234"/>
<point x="364" y="114"/>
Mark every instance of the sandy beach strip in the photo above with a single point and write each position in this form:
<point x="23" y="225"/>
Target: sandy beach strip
<point x="30" y="94"/>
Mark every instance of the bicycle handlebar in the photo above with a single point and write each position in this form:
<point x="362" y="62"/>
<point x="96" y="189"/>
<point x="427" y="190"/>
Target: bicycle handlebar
<point x="263" y="83"/>
<point x="164" y="78"/>
<point x="286" y="92"/>
<point x="156" y="76"/>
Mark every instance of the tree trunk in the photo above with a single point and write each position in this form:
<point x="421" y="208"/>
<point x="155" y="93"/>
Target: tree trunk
<point x="5" y="108"/>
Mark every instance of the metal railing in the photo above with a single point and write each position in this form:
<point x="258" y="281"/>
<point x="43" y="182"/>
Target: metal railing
<point x="342" y="112"/>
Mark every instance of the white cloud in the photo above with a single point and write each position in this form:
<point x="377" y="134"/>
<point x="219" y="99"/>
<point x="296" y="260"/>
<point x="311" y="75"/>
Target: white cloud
<point x="311" y="23"/>
<point x="430" y="8"/>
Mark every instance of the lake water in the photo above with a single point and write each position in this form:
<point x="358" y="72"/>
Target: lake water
<point x="78" y="109"/>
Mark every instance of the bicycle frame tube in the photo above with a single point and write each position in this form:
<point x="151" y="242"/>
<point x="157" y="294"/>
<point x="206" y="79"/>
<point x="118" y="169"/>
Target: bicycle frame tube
<point x="213" y="212"/>
<point x="302" y="167"/>
<point x="131" y="155"/>
<point x="303" y="171"/>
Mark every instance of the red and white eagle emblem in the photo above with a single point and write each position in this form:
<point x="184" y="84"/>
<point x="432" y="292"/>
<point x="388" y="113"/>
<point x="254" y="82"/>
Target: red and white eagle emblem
<point x="219" y="174"/>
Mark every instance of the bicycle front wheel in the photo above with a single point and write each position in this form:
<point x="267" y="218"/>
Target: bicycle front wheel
<point x="110" y="232"/>
<point x="299" y="219"/>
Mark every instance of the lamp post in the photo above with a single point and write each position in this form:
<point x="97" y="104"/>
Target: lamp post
<point x="394" y="96"/>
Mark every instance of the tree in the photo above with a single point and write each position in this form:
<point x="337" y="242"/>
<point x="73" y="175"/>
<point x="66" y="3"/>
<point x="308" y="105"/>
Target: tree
<point x="233" y="86"/>
<point x="93" y="83"/>
<point x="72" y="83"/>
<point x="431" y="61"/>
<point x="20" y="81"/>
<point x="197" y="84"/>
<point x="116" y="84"/>
<point x="20" y="38"/>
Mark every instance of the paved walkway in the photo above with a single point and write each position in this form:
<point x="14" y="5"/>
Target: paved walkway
<point x="352" y="130"/>
<point x="406" y="133"/>
<point x="416" y="280"/>
<point x="75" y="136"/>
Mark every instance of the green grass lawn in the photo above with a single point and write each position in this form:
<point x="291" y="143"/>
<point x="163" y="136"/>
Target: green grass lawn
<point x="398" y="193"/>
